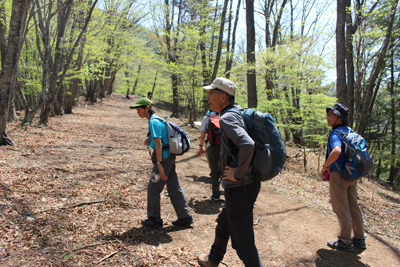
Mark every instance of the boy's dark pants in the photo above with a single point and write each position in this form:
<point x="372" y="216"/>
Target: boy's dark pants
<point x="213" y="153"/>
<point x="236" y="221"/>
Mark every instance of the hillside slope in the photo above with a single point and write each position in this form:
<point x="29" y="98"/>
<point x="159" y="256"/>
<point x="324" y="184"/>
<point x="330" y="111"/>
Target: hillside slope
<point x="73" y="194"/>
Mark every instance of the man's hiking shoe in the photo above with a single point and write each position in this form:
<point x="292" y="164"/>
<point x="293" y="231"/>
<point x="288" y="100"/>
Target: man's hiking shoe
<point x="152" y="222"/>
<point x="183" y="222"/>
<point x="204" y="261"/>
<point x="360" y="243"/>
<point x="216" y="199"/>
<point x="339" y="245"/>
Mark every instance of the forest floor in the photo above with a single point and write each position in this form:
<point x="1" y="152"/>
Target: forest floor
<point x="73" y="193"/>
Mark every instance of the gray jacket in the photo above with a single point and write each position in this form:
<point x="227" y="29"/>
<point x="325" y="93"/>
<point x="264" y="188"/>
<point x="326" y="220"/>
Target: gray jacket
<point x="234" y="134"/>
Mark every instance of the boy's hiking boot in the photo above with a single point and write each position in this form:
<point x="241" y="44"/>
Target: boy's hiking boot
<point x="339" y="245"/>
<point x="183" y="222"/>
<point x="203" y="261"/>
<point x="152" y="222"/>
<point x="360" y="243"/>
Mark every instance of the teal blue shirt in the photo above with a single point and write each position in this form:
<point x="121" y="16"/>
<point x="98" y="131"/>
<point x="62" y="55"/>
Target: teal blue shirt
<point x="158" y="129"/>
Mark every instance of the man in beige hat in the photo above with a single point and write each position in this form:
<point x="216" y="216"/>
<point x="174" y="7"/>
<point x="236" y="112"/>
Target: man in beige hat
<point x="235" y="220"/>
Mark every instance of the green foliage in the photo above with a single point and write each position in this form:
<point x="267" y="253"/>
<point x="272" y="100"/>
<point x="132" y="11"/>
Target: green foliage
<point x="292" y="82"/>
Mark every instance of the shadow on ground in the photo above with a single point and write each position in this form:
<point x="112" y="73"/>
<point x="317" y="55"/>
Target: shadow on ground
<point x="206" y="206"/>
<point x="145" y="235"/>
<point x="328" y="257"/>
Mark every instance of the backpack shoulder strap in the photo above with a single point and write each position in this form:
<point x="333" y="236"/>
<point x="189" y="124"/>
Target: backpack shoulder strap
<point x="163" y="120"/>
<point x="235" y="111"/>
<point x="157" y="117"/>
<point x="341" y="132"/>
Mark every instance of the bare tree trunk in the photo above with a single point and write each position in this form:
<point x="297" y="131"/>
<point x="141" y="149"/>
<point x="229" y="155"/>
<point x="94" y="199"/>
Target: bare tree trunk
<point x="77" y="81"/>
<point x="393" y="115"/>
<point x="154" y="84"/>
<point x="228" y="39"/>
<point x="203" y="52"/>
<point x="278" y="24"/>
<point x="175" y="100"/>
<point x="376" y="70"/>
<point x="220" y="41"/>
<point x="349" y="63"/>
<point x="10" y="61"/>
<point x="251" y="56"/>
<point x="128" y="85"/>
<point x="232" y="50"/>
<point x="54" y="66"/>
<point x="136" y="80"/>
<point x="12" y="116"/>
<point x="341" y="52"/>
<point x="55" y="83"/>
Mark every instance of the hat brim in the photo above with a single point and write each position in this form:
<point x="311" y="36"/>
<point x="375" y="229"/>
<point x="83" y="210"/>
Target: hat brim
<point x="335" y="111"/>
<point x="209" y="87"/>
<point x="135" y="106"/>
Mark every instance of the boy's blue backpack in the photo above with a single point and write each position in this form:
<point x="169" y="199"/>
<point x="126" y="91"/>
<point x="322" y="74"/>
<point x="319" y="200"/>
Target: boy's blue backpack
<point x="270" y="153"/>
<point x="178" y="139"/>
<point x="358" y="160"/>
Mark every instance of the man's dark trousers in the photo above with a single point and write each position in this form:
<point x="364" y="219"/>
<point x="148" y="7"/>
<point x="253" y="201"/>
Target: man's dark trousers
<point x="236" y="221"/>
<point x="213" y="153"/>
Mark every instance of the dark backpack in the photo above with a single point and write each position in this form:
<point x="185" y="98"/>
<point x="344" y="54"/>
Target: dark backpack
<point x="213" y="129"/>
<point x="178" y="139"/>
<point x="358" y="161"/>
<point x="270" y="153"/>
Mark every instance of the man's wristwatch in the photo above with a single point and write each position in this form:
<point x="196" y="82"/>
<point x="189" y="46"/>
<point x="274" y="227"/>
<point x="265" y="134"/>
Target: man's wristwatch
<point x="159" y="162"/>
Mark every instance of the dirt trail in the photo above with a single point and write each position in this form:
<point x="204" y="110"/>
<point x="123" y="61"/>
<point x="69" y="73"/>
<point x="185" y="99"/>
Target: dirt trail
<point x="101" y="156"/>
<point x="287" y="233"/>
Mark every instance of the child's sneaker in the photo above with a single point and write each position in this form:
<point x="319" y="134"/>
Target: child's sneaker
<point x="152" y="222"/>
<point x="360" y="243"/>
<point x="339" y="245"/>
<point x="183" y="222"/>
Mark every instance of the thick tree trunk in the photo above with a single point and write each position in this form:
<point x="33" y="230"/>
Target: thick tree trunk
<point x="251" y="56"/>
<point x="341" y="52"/>
<point x="349" y="63"/>
<point x="55" y="83"/>
<point x="56" y="65"/>
<point x="75" y="84"/>
<point x="12" y="116"/>
<point x="59" y="103"/>
<point x="10" y="62"/>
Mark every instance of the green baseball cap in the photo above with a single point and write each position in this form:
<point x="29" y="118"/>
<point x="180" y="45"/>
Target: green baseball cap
<point x="143" y="101"/>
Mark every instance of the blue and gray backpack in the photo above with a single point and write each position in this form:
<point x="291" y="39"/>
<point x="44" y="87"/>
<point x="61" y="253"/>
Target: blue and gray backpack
<point x="358" y="161"/>
<point x="178" y="139"/>
<point x="270" y="153"/>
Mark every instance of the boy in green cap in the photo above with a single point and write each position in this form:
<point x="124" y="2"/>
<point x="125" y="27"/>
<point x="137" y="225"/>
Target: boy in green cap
<point x="163" y="170"/>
